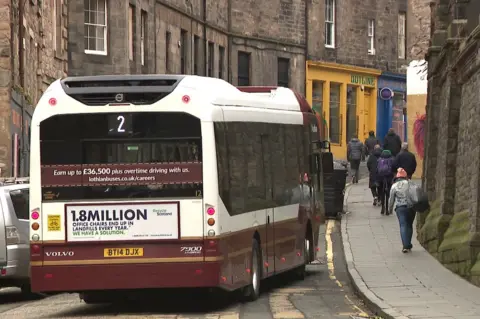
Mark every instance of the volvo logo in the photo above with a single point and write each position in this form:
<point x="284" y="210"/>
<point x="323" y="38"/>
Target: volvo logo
<point x="119" y="97"/>
<point x="59" y="253"/>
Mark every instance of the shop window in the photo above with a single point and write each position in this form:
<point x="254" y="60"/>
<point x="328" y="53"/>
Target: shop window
<point x="334" y="120"/>
<point x="352" y="122"/>
<point x="317" y="97"/>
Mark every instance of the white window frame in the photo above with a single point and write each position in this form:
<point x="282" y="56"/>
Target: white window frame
<point x="105" y="32"/>
<point x="143" y="22"/>
<point x="402" y="25"/>
<point x="371" y="36"/>
<point x="330" y="23"/>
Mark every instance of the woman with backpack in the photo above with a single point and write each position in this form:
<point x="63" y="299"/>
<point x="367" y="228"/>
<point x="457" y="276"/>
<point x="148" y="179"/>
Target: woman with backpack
<point x="385" y="179"/>
<point x="400" y="197"/>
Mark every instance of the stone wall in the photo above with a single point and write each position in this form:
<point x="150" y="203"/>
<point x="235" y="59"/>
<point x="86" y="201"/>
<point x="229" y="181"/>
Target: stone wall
<point x="33" y="42"/>
<point x="451" y="230"/>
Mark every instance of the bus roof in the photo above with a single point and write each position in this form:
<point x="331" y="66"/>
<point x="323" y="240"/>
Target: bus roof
<point x="104" y="90"/>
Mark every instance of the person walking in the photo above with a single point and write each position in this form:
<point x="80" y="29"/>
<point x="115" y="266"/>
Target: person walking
<point x="392" y="142"/>
<point x="370" y="143"/>
<point x="385" y="177"/>
<point x="406" y="160"/>
<point x="399" y="198"/>
<point x="373" y="182"/>
<point x="355" y="151"/>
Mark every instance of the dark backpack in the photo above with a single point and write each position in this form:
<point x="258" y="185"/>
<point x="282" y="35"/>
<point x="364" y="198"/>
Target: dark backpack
<point x="384" y="167"/>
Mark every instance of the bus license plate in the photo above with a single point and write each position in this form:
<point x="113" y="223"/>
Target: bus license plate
<point x="123" y="252"/>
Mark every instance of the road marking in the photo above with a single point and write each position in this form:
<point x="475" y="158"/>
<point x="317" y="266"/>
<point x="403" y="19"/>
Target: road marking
<point x="331" y="266"/>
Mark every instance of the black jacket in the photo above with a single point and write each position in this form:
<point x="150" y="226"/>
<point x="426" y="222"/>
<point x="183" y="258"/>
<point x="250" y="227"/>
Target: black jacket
<point x="393" y="143"/>
<point x="407" y="161"/>
<point x="370" y="143"/>
<point x="372" y="166"/>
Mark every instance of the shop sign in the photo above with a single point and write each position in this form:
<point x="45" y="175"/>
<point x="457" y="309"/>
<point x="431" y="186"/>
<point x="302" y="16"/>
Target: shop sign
<point x="362" y="80"/>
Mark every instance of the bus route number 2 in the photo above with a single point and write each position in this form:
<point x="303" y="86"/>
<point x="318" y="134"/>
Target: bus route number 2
<point x="119" y="124"/>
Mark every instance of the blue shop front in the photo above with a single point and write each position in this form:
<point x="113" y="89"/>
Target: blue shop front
<point x="391" y="105"/>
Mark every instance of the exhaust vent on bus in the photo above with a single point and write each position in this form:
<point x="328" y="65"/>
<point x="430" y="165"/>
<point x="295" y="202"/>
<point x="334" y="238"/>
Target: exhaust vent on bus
<point x="134" y="89"/>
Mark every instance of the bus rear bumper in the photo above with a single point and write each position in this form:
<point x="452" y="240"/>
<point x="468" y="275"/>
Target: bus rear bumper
<point x="76" y="278"/>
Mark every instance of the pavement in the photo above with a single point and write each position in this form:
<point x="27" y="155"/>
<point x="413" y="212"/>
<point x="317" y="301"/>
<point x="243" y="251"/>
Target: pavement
<point x="393" y="284"/>
<point x="326" y="293"/>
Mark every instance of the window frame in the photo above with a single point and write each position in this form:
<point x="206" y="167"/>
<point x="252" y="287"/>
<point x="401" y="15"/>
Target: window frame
<point x="330" y="23"/>
<point x="401" y="36"/>
<point x="143" y="30"/>
<point x="131" y="32"/>
<point x="211" y="59"/>
<point x="221" y="61"/>
<point x="183" y="51"/>
<point x="371" y="36"/>
<point x="105" y="31"/>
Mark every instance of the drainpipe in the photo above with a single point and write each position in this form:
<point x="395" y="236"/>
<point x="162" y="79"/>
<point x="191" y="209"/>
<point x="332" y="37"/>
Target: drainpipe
<point x="230" y="42"/>
<point x="205" y="37"/>
<point x="306" y="43"/>
<point x="21" y="35"/>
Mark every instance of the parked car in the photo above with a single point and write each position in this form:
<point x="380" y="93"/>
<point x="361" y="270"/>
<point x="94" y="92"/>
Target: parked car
<point x="14" y="234"/>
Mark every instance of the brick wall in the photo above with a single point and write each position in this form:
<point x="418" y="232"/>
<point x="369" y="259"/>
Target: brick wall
<point x="31" y="57"/>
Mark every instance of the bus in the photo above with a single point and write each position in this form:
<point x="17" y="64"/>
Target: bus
<point x="171" y="181"/>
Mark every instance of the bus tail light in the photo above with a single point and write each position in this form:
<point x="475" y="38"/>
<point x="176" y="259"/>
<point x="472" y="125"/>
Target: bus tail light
<point x="211" y="211"/>
<point x="35" y="226"/>
<point x="35" y="215"/>
<point x="211" y="233"/>
<point x="13" y="237"/>
<point x="35" y="237"/>
<point x="211" y="222"/>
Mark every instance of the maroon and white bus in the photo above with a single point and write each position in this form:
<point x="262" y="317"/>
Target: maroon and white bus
<point x="160" y="181"/>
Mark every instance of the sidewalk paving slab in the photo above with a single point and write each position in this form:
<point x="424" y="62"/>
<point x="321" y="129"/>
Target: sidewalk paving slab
<point x="394" y="284"/>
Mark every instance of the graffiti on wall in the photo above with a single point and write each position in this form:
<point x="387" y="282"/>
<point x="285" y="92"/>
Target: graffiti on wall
<point x="419" y="134"/>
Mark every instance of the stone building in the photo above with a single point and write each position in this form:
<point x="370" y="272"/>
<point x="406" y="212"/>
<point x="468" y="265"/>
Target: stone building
<point x="33" y="42"/>
<point x="451" y="230"/>
<point x="242" y="41"/>
<point x="354" y="52"/>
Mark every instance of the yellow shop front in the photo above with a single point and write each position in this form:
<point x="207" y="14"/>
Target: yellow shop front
<point x="346" y="97"/>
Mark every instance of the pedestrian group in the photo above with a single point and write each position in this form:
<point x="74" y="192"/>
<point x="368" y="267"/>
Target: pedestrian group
<point x="390" y="171"/>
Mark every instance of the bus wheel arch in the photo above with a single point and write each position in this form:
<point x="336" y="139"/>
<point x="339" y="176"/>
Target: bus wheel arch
<point x="252" y="291"/>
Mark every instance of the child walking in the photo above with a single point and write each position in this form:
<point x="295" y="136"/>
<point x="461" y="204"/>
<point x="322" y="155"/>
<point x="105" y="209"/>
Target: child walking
<point x="399" y="197"/>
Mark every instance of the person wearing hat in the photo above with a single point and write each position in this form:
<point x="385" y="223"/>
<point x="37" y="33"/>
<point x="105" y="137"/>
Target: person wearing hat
<point x="399" y="198"/>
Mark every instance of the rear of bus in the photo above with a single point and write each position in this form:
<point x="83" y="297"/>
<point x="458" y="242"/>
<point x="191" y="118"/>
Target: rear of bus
<point x="117" y="190"/>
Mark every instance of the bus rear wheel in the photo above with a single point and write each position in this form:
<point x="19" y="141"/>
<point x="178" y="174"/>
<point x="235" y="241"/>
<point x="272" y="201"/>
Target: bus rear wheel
<point x="252" y="291"/>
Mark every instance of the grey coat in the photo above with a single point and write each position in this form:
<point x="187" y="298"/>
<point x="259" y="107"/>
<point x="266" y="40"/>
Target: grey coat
<point x="355" y="150"/>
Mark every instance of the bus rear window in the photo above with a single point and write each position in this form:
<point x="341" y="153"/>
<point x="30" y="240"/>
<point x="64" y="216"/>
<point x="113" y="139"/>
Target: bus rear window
<point x="128" y="155"/>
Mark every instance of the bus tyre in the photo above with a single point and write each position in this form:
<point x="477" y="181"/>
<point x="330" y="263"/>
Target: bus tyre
<point x="26" y="289"/>
<point x="252" y="291"/>
<point x="92" y="299"/>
